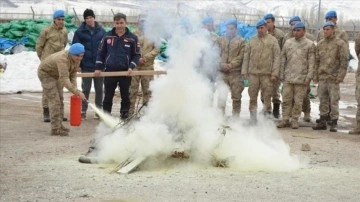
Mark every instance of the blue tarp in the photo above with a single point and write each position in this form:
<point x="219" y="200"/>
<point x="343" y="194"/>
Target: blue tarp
<point x="244" y="30"/>
<point x="7" y="45"/>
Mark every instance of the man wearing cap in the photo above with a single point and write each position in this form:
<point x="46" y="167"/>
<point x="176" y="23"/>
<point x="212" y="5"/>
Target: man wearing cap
<point x="208" y="24"/>
<point x="331" y="16"/>
<point x="306" y="106"/>
<point x="296" y="72"/>
<point x="119" y="50"/>
<point x="56" y="72"/>
<point x="356" y="130"/>
<point x="148" y="53"/>
<point x="261" y="66"/>
<point x="90" y="34"/>
<point x="232" y="48"/>
<point x="330" y="71"/>
<point x="52" y="39"/>
<point x="279" y="35"/>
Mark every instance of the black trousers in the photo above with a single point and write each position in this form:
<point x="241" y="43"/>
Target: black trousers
<point x="110" y="85"/>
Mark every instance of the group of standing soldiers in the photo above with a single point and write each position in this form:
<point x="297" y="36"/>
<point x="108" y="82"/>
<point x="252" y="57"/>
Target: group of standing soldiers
<point x="269" y="59"/>
<point x="272" y="58"/>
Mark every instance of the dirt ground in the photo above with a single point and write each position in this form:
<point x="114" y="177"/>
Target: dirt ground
<point x="35" y="166"/>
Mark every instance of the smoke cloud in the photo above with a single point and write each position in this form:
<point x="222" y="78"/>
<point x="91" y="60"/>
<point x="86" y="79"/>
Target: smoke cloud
<point x="181" y="115"/>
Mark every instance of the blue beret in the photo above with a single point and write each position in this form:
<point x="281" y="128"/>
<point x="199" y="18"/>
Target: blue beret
<point x="76" y="49"/>
<point x="299" y="25"/>
<point x="268" y="16"/>
<point x="58" y="14"/>
<point x="328" y="23"/>
<point x="231" y="22"/>
<point x="294" y="19"/>
<point x="207" y="20"/>
<point x="331" y="14"/>
<point x="260" y="22"/>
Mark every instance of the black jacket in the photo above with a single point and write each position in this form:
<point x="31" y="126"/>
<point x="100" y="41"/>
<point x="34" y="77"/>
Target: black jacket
<point x="118" y="53"/>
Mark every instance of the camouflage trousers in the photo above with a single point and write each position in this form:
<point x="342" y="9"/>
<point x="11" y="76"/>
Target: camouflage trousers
<point x="53" y="92"/>
<point x="276" y="92"/>
<point x="293" y="97"/>
<point x="234" y="82"/>
<point x="44" y="100"/>
<point x="257" y="83"/>
<point x="145" y="88"/>
<point x="329" y="96"/>
<point x="306" y="105"/>
<point x="357" y="94"/>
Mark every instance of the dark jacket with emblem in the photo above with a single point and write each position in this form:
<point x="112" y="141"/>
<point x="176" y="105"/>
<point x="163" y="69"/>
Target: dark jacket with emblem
<point x="118" y="53"/>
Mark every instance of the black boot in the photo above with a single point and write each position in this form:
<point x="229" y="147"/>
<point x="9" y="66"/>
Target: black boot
<point x="333" y="125"/>
<point x="322" y="124"/>
<point x="46" y="114"/>
<point x="276" y="110"/>
<point x="327" y="119"/>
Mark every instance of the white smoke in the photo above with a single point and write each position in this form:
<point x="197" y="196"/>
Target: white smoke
<point x="180" y="115"/>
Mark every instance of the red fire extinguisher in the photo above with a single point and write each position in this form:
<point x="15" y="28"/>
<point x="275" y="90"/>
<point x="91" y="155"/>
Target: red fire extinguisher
<point x="75" y="110"/>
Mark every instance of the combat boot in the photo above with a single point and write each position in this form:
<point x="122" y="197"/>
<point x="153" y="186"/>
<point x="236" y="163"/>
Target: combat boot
<point x="46" y="114"/>
<point x="294" y="124"/>
<point x="59" y="132"/>
<point x="322" y="123"/>
<point x="276" y="110"/>
<point x="333" y="125"/>
<point x="356" y="130"/>
<point x="307" y="117"/>
<point x="318" y="120"/>
<point x="65" y="129"/>
<point x="283" y="124"/>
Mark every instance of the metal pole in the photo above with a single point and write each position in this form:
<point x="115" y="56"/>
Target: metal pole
<point x="318" y="20"/>
<point x="33" y="13"/>
<point x="354" y="35"/>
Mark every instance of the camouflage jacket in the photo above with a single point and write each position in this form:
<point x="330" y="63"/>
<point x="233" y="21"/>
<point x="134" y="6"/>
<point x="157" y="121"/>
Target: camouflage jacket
<point x="297" y="61"/>
<point x="262" y="56"/>
<point x="51" y="40"/>
<point x="60" y="66"/>
<point x="148" y="51"/>
<point x="290" y="35"/>
<point x="331" y="59"/>
<point x="232" y="51"/>
<point x="279" y="35"/>
<point x="338" y="32"/>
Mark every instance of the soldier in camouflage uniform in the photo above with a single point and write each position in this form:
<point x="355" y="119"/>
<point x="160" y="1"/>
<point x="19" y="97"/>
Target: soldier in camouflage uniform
<point x="56" y="72"/>
<point x="148" y="53"/>
<point x="356" y="130"/>
<point x="306" y="106"/>
<point x="232" y="48"/>
<point x="296" y="72"/>
<point x="279" y="35"/>
<point x="331" y="16"/>
<point x="330" y="71"/>
<point x="52" y="39"/>
<point x="261" y="65"/>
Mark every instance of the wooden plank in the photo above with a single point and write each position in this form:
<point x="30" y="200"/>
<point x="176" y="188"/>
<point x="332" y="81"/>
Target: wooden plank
<point x="123" y="73"/>
<point x="131" y="166"/>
